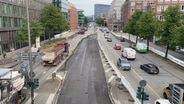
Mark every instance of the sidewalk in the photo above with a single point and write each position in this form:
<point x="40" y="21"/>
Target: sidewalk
<point x="11" y="61"/>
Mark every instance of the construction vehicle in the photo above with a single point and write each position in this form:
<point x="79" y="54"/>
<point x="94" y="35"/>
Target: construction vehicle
<point x="56" y="54"/>
<point x="11" y="86"/>
<point x="175" y="93"/>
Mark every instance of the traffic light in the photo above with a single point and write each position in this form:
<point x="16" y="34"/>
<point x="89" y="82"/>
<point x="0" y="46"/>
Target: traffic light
<point x="27" y="84"/>
<point x="145" y="96"/>
<point x="139" y="92"/>
<point x="36" y="83"/>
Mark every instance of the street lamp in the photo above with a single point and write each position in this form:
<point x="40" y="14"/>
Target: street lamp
<point x="30" y="54"/>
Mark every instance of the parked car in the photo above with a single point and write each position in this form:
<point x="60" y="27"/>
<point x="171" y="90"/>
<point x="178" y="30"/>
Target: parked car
<point x="122" y="39"/>
<point x="150" y="68"/>
<point x="117" y="46"/>
<point x="123" y="64"/>
<point x="109" y="39"/>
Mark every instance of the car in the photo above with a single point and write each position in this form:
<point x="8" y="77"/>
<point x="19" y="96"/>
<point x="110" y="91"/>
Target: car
<point x="150" y="68"/>
<point x="162" y="101"/>
<point x="117" y="46"/>
<point x="123" y="64"/>
<point x="109" y="39"/>
<point x="122" y="39"/>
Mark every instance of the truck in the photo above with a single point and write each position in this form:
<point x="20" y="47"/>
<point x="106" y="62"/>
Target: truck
<point x="12" y="86"/>
<point x="174" y="93"/>
<point x="56" y="54"/>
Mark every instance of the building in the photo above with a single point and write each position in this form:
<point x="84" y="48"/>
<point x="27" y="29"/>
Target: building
<point x="81" y="17"/>
<point x="63" y="5"/>
<point x="72" y="16"/>
<point x="12" y="13"/>
<point x="130" y="6"/>
<point x="115" y="15"/>
<point x="100" y="8"/>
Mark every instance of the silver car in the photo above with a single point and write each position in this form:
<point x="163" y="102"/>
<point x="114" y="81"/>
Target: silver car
<point x="123" y="64"/>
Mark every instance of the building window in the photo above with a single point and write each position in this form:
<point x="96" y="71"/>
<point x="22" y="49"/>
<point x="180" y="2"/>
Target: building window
<point x="159" y="8"/>
<point x="11" y="22"/>
<point x="182" y="7"/>
<point x="174" y="0"/>
<point x="138" y="3"/>
<point x="160" y="0"/>
<point x="132" y="10"/>
<point x="181" y="0"/>
<point x="5" y="22"/>
<point x="165" y="7"/>
<point x="1" y="22"/>
<point x="167" y="0"/>
<point x="144" y="3"/>
<point x="4" y="8"/>
<point x="10" y="9"/>
<point x="132" y="3"/>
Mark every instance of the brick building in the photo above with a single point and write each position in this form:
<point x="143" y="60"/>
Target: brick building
<point x="72" y="16"/>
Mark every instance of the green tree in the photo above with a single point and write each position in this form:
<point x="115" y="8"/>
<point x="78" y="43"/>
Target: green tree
<point x="171" y="19"/>
<point x="100" y="21"/>
<point x="52" y="19"/>
<point x="178" y="36"/>
<point x="86" y="20"/>
<point x="36" y="29"/>
<point x="145" y="26"/>
<point x="130" y="27"/>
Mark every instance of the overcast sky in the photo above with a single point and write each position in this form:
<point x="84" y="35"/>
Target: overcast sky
<point x="88" y="5"/>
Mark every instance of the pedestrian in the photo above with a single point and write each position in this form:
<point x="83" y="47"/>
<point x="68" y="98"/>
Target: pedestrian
<point x="4" y="54"/>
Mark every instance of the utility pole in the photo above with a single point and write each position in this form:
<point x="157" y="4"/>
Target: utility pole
<point x="30" y="54"/>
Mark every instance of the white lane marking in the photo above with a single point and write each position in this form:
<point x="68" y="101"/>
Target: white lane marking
<point x="108" y="70"/>
<point x="112" y="77"/>
<point x="49" y="100"/>
<point x="29" y="101"/>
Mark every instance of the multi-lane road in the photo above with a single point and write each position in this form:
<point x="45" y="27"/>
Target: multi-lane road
<point x="169" y="73"/>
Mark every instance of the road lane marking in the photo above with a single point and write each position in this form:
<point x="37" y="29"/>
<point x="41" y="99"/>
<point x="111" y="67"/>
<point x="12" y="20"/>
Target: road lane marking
<point x="112" y="77"/>
<point x="149" y="86"/>
<point x="49" y="100"/>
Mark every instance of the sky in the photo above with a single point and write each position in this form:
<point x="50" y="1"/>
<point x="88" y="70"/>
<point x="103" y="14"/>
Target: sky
<point x="88" y="5"/>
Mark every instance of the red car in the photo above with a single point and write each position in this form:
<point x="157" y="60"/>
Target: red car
<point x="117" y="47"/>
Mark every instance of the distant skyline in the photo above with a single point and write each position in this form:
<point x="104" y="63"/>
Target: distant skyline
<point x="88" y="5"/>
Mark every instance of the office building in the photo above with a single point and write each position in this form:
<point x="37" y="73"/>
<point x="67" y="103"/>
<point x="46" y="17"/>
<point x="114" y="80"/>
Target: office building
<point x="12" y="13"/>
<point x="63" y="5"/>
<point x="81" y="17"/>
<point x="100" y="8"/>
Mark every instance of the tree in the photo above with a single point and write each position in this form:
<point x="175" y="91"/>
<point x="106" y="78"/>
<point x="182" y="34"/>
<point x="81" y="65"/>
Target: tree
<point x="130" y="27"/>
<point x="36" y="30"/>
<point x="178" y="36"/>
<point x="86" y="20"/>
<point x="145" y="26"/>
<point x="172" y="19"/>
<point x="52" y="19"/>
<point x="100" y="21"/>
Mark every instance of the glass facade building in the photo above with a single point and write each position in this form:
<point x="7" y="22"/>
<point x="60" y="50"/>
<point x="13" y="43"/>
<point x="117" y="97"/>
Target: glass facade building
<point x="63" y="5"/>
<point x="101" y="8"/>
<point x="12" y="13"/>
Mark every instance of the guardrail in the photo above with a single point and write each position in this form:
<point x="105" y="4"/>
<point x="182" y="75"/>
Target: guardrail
<point x="123" y="79"/>
<point x="170" y="57"/>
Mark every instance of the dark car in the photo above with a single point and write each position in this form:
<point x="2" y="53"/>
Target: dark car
<point x="150" y="68"/>
<point x="109" y="39"/>
<point x="122" y="39"/>
<point x="124" y="64"/>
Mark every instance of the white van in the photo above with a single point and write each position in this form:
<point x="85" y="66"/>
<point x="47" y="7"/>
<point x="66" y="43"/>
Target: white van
<point x="141" y="47"/>
<point x="129" y="53"/>
<point x="162" y="101"/>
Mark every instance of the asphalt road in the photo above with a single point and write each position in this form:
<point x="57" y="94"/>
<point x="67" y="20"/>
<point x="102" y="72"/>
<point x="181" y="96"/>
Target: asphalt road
<point x="169" y="73"/>
<point x="85" y="81"/>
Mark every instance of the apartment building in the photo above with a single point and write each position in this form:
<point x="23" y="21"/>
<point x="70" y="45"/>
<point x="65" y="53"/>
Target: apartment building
<point x="129" y="7"/>
<point x="12" y="13"/>
<point x="72" y="16"/>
